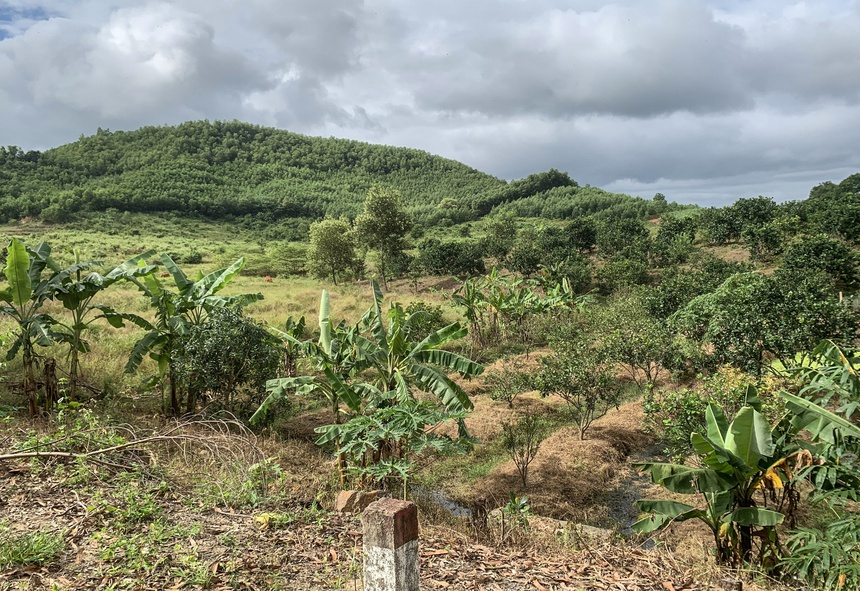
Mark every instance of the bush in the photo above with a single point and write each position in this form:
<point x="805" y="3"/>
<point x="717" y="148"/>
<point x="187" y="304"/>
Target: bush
<point x="674" y="415"/>
<point x="509" y="382"/>
<point x="825" y="254"/>
<point x="461" y="258"/>
<point x="582" y="379"/>
<point x="621" y="272"/>
<point x="228" y="359"/>
<point x="429" y="321"/>
<point x="521" y="441"/>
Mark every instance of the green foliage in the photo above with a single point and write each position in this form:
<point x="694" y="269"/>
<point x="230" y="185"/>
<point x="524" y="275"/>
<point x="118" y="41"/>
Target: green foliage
<point x="508" y="382"/>
<point x="719" y="226"/>
<point x="822" y="253"/>
<point x="617" y="234"/>
<point x="674" y="241"/>
<point x="332" y="249"/>
<point x="34" y="278"/>
<point x="830" y="378"/>
<point x="680" y="285"/>
<point x="29" y="548"/>
<point x="521" y="441"/>
<point x="175" y="313"/>
<point x="501" y="232"/>
<point x="132" y="553"/>
<point x="739" y="459"/>
<point x="826" y="559"/>
<point x="633" y="338"/>
<point x="460" y="258"/>
<point x="285" y="259"/>
<point x="674" y="414"/>
<point x="835" y="209"/>
<point x="568" y="201"/>
<point x="766" y="240"/>
<point x="379" y="445"/>
<point x="620" y="272"/>
<point x="77" y="294"/>
<point x="399" y="364"/>
<point x="525" y="255"/>
<point x="499" y="305"/>
<point x="373" y="367"/>
<point x="23" y="300"/>
<point x="228" y="360"/>
<point x="518" y="509"/>
<point x="236" y="172"/>
<point x="383" y="226"/>
<point x="582" y="378"/>
<point x="426" y="319"/>
<point x="581" y="233"/>
<point x="752" y="315"/>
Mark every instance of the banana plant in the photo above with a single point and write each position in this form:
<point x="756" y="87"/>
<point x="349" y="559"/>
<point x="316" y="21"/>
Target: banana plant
<point x="76" y="292"/>
<point x="293" y="342"/>
<point x="176" y="311"/>
<point x="333" y="355"/>
<point x="744" y="464"/>
<point x="400" y="365"/>
<point x="22" y="301"/>
<point x="471" y="298"/>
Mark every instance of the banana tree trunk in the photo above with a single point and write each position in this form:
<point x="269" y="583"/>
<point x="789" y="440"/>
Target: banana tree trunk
<point x="30" y="380"/>
<point x="51" y="386"/>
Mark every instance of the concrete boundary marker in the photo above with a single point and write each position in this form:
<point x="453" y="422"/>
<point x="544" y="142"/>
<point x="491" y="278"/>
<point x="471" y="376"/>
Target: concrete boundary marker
<point x="390" y="546"/>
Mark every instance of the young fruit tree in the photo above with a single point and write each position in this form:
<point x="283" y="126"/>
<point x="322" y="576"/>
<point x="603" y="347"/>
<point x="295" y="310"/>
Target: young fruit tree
<point x="583" y="380"/>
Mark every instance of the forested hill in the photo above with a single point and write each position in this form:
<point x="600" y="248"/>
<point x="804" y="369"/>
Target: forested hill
<point x="224" y="170"/>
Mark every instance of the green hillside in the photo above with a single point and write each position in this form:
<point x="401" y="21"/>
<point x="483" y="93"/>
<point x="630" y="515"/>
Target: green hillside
<point x="233" y="170"/>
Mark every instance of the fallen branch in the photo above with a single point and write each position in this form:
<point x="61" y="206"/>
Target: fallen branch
<point x="213" y="436"/>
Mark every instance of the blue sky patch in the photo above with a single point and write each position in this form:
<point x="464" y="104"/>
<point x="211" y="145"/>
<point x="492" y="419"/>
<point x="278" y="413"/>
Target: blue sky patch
<point x="10" y="15"/>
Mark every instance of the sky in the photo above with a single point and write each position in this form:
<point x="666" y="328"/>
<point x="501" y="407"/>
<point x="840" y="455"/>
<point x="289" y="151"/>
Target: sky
<point x="703" y="101"/>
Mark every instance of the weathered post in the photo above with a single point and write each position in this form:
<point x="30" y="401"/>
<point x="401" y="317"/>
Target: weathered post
<point x="390" y="546"/>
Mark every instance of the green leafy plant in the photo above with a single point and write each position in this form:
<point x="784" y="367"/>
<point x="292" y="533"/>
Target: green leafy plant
<point x="578" y="375"/>
<point x="508" y="382"/>
<point x="23" y="301"/>
<point x="518" y="508"/>
<point x="521" y="441"/>
<point x="77" y="293"/>
<point x="175" y="312"/>
<point x="746" y="480"/>
<point x="228" y="359"/>
<point x="379" y="445"/>
<point x="827" y="559"/>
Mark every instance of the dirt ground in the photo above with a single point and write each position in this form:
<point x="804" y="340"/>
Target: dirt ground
<point x="236" y="551"/>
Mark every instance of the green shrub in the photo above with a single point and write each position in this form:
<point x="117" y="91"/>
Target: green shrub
<point x="427" y="322"/>
<point x="521" y="441"/>
<point x="674" y="415"/>
<point x="229" y="358"/>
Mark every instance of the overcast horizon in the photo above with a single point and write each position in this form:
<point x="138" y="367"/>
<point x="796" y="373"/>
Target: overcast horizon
<point x="705" y="102"/>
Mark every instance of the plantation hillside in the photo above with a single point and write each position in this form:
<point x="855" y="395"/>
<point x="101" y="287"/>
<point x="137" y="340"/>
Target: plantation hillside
<point x="228" y="170"/>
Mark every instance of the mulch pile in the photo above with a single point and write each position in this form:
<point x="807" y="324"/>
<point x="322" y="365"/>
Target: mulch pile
<point x="482" y="568"/>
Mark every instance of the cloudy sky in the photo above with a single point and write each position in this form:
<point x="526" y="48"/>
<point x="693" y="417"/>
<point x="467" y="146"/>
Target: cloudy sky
<point x="704" y="101"/>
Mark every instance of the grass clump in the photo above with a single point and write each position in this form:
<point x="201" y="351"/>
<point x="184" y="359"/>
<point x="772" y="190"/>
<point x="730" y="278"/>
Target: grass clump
<point x="32" y="548"/>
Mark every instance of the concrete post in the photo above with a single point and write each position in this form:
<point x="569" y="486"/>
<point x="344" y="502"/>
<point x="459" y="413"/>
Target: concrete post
<point x="390" y="546"/>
